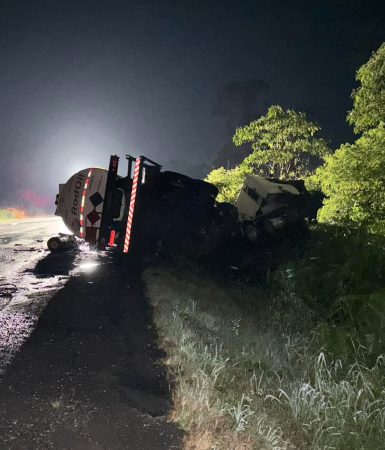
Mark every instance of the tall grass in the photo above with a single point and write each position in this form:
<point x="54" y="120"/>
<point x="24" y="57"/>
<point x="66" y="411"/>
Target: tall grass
<point x="279" y="368"/>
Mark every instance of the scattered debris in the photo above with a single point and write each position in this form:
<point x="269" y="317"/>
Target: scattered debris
<point x="7" y="290"/>
<point x="62" y="242"/>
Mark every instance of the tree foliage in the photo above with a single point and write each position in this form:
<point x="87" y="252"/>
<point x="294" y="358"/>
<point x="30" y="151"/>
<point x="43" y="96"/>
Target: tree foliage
<point x="283" y="143"/>
<point x="369" y="99"/>
<point x="353" y="179"/>
<point x="229" y="182"/>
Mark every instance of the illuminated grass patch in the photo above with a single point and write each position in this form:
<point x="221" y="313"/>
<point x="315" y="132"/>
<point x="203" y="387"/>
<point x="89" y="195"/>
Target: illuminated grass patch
<point x="252" y="369"/>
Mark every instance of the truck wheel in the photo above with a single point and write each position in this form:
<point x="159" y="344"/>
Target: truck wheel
<point x="61" y="243"/>
<point x="54" y="244"/>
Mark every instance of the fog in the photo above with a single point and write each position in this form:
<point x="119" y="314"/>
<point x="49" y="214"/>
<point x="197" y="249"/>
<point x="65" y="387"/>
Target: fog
<point x="81" y="80"/>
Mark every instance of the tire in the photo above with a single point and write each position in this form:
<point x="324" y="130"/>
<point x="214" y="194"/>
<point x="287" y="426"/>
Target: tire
<point x="54" y="244"/>
<point x="61" y="243"/>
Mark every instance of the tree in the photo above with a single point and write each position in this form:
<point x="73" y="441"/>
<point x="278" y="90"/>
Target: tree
<point x="229" y="182"/>
<point x="369" y="99"/>
<point x="353" y="179"/>
<point x="283" y="142"/>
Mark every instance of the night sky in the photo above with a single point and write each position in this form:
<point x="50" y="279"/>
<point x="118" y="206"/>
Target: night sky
<point x="80" y="79"/>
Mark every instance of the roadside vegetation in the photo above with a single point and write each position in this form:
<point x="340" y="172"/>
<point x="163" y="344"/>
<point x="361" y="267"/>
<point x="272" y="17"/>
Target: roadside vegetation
<point x="297" y="364"/>
<point x="286" y="145"/>
<point x="299" y="361"/>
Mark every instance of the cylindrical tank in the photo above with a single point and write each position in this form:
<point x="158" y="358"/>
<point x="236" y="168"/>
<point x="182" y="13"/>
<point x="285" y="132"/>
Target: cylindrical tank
<point x="80" y="202"/>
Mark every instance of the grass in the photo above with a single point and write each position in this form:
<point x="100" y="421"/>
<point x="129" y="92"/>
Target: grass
<point x="220" y="360"/>
<point x="281" y="367"/>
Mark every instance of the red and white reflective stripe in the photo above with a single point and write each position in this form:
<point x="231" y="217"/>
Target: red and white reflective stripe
<point x="134" y="190"/>
<point x="81" y="215"/>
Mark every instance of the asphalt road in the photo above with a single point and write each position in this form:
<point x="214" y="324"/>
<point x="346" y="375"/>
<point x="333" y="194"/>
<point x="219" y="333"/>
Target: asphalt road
<point x="24" y="241"/>
<point x="23" y="294"/>
<point x="79" y="359"/>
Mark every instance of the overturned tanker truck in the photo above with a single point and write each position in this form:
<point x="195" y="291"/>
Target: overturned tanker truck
<point x="150" y="210"/>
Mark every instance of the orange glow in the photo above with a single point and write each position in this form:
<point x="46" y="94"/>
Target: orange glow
<point x="12" y="213"/>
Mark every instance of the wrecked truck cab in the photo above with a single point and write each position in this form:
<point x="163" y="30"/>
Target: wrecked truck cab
<point x="270" y="208"/>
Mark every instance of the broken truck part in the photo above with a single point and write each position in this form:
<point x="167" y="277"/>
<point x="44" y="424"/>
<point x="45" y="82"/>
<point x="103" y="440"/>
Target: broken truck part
<point x="271" y="207"/>
<point x="62" y="242"/>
